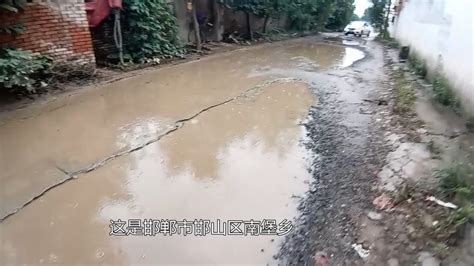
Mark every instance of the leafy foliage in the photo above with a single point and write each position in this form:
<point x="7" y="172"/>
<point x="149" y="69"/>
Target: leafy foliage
<point x="405" y="95"/>
<point x="470" y="123"/>
<point x="377" y="14"/>
<point x="11" y="6"/>
<point x="272" y="9"/>
<point x="444" y="93"/>
<point x="256" y="7"/>
<point x="390" y="42"/>
<point x="152" y="30"/>
<point x="317" y="14"/>
<point x="418" y="65"/>
<point x="454" y="179"/>
<point x="342" y="15"/>
<point x="11" y="29"/>
<point x="303" y="14"/>
<point x="457" y="181"/>
<point x="20" y="69"/>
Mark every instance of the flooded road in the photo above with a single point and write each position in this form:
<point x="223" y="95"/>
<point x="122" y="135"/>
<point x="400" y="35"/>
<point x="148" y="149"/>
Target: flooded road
<point x="218" y="138"/>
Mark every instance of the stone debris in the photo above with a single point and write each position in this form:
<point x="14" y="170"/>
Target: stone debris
<point x="374" y="216"/>
<point x="422" y="131"/>
<point x="361" y="251"/>
<point x="427" y="259"/>
<point x="392" y="262"/>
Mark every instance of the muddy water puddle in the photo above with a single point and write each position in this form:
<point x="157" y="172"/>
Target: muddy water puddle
<point x="240" y="160"/>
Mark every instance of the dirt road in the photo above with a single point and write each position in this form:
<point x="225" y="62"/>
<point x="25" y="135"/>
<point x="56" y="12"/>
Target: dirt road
<point x="278" y="131"/>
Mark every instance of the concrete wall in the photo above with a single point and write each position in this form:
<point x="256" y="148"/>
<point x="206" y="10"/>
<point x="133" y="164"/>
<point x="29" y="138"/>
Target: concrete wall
<point x="442" y="33"/>
<point x="232" y="21"/>
<point x="236" y="21"/>
<point x="184" y="18"/>
<point x="52" y="27"/>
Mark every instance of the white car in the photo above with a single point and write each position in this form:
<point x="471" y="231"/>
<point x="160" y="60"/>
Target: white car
<point x="358" y="28"/>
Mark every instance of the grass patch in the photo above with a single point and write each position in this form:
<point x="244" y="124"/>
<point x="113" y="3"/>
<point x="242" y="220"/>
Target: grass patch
<point x="456" y="182"/>
<point x="470" y="123"/>
<point x="444" y="93"/>
<point x="434" y="149"/>
<point x="389" y="41"/>
<point x="405" y="95"/>
<point x="465" y="214"/>
<point x="441" y="250"/>
<point x="418" y="65"/>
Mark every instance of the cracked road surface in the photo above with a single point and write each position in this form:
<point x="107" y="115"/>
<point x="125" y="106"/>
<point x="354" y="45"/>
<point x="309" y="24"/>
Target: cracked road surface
<point x="218" y="138"/>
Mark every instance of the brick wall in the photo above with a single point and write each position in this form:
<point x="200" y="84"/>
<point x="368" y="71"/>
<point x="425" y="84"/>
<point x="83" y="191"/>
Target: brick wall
<point x="57" y="28"/>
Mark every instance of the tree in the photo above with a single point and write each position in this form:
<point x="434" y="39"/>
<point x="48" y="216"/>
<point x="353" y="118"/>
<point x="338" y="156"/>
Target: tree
<point x="324" y="11"/>
<point x="272" y="9"/>
<point x="317" y="14"/>
<point x="378" y="14"/>
<point x="342" y="15"/>
<point x="355" y="17"/>
<point x="366" y="16"/>
<point x="301" y="14"/>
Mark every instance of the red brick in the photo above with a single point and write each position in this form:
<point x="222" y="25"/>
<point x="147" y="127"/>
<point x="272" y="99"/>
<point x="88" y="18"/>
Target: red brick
<point x="46" y="28"/>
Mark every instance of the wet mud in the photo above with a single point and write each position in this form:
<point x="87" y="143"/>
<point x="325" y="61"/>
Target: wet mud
<point x="43" y="142"/>
<point x="218" y="138"/>
<point x="344" y="132"/>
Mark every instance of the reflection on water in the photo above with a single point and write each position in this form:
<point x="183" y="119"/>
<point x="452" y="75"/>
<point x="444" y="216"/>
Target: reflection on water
<point x="241" y="160"/>
<point x="351" y="55"/>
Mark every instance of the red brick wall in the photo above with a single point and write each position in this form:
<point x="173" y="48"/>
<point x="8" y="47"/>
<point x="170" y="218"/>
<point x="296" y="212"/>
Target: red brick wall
<point x="55" y="28"/>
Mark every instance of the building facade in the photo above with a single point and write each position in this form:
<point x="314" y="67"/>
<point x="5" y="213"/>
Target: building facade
<point x="441" y="32"/>
<point x="57" y="28"/>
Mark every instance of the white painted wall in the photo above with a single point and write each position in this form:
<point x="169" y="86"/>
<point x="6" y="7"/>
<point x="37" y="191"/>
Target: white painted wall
<point x="442" y="33"/>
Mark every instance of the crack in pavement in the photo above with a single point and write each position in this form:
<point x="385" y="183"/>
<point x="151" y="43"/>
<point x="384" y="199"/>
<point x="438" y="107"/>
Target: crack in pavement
<point x="452" y="136"/>
<point x="177" y="125"/>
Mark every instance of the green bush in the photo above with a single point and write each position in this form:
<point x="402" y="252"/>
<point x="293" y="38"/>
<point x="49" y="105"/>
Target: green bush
<point x="151" y="30"/>
<point x="301" y="21"/>
<point x="470" y="123"/>
<point x="307" y="15"/>
<point x="457" y="180"/>
<point x="405" y="94"/>
<point x="444" y="93"/>
<point x="10" y="6"/>
<point x="418" y="65"/>
<point x="389" y="41"/>
<point x="20" y="70"/>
